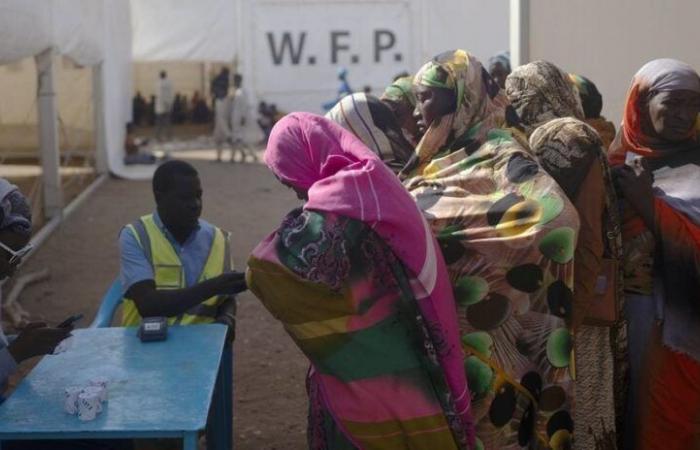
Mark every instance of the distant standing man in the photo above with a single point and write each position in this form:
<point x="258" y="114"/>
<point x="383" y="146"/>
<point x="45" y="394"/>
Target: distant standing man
<point x="499" y="68"/>
<point x="164" y="105"/>
<point x="220" y="84"/>
<point x="239" y="112"/>
<point x="222" y="111"/>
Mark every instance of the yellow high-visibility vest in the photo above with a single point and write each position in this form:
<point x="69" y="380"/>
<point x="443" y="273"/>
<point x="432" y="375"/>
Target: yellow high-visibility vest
<point x="169" y="273"/>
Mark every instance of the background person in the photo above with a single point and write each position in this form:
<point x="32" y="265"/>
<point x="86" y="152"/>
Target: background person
<point x="222" y="124"/>
<point x="540" y="91"/>
<point x="572" y="153"/>
<point x="238" y="121"/>
<point x="222" y="104"/>
<point x="138" y="109"/>
<point x="399" y="97"/>
<point x="499" y="68"/>
<point x="375" y="125"/>
<point x="199" y="109"/>
<point x="163" y="106"/>
<point x="592" y="102"/>
<point x="220" y="85"/>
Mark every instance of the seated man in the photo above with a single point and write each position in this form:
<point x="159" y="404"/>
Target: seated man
<point x="174" y="264"/>
<point x="15" y="231"/>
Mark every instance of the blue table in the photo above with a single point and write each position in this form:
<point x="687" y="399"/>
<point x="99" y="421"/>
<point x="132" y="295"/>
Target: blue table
<point x="157" y="389"/>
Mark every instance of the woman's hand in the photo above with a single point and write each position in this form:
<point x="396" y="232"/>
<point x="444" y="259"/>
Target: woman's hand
<point x="636" y="186"/>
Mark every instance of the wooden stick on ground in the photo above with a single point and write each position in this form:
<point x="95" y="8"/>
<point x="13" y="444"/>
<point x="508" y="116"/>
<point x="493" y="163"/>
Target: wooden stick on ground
<point x="11" y="308"/>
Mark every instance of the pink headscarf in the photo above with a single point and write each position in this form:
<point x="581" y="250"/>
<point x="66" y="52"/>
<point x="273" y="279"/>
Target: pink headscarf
<point x="344" y="177"/>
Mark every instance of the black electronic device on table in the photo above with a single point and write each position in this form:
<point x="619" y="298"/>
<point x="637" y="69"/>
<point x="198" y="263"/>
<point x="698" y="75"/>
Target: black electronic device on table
<point x="153" y="329"/>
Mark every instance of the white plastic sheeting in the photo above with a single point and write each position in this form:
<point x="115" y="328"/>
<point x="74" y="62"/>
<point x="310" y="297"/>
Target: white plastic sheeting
<point x="116" y="80"/>
<point x="289" y="51"/>
<point x="25" y="29"/>
<point x="184" y="30"/>
<point x="608" y="41"/>
<point x="93" y="33"/>
<point x="71" y="27"/>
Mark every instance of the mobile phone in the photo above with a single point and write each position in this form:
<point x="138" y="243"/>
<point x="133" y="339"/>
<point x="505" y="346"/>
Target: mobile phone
<point x="70" y="321"/>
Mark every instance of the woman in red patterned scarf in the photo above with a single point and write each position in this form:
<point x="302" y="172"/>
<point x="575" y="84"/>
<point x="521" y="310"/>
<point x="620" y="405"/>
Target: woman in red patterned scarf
<point x="657" y="154"/>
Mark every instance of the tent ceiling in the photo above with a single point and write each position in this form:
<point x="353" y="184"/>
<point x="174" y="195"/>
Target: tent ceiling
<point x="74" y="28"/>
<point x="183" y="30"/>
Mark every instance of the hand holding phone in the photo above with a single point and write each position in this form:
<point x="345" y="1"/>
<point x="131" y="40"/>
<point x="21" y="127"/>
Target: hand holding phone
<point x="68" y="323"/>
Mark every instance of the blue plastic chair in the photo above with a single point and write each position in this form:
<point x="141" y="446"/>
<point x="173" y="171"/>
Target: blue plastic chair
<point x="103" y="319"/>
<point x="108" y="305"/>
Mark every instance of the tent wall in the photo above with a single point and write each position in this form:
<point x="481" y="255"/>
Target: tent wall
<point x="116" y="86"/>
<point x="71" y="27"/>
<point x="18" y="110"/>
<point x="92" y="33"/>
<point x="374" y="40"/>
<point x="608" y="41"/>
<point x="18" y="91"/>
<point x="289" y="51"/>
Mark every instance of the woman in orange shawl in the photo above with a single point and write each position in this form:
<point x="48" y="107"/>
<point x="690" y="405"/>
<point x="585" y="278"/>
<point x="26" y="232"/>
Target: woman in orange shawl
<point x="508" y="234"/>
<point x="657" y="154"/>
<point x="592" y="102"/>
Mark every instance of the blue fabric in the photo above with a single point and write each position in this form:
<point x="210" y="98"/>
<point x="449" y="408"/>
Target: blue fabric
<point x="8" y="365"/>
<point x="193" y="254"/>
<point x="640" y="313"/>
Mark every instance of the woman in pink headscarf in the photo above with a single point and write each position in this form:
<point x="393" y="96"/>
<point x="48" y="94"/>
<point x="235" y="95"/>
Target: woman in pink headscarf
<point x="357" y="281"/>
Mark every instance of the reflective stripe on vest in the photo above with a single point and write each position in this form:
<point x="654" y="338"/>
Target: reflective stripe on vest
<point x="169" y="273"/>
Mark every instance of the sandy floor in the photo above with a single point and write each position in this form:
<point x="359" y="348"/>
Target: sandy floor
<point x="270" y="402"/>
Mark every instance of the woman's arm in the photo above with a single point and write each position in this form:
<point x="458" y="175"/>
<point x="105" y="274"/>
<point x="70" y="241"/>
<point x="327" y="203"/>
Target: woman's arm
<point x="588" y="260"/>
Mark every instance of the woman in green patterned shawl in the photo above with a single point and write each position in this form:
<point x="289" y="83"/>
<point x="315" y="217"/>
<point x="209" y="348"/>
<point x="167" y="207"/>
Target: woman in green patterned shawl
<point x="507" y="233"/>
<point x="399" y="97"/>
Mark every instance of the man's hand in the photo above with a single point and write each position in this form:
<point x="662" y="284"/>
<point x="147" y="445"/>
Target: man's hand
<point x="36" y="339"/>
<point x="172" y="302"/>
<point x="230" y="283"/>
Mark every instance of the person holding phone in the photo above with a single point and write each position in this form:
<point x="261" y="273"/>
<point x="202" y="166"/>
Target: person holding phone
<point x="36" y="338"/>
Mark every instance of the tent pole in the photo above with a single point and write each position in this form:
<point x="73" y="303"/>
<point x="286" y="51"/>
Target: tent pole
<point x="100" y="131"/>
<point x="206" y="81"/>
<point x="48" y="134"/>
<point x="519" y="32"/>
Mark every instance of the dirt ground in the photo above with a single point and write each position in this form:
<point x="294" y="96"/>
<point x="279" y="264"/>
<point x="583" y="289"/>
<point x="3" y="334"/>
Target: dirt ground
<point x="82" y="256"/>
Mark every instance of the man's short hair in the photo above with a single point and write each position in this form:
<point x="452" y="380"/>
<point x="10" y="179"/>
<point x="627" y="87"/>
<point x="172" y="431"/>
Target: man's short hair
<point x="237" y="79"/>
<point x="163" y="74"/>
<point x="167" y="174"/>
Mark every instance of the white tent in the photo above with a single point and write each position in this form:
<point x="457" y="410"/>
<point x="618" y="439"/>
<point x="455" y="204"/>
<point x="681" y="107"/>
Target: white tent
<point x="606" y="41"/>
<point x="92" y="33"/>
<point x="289" y="51"/>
